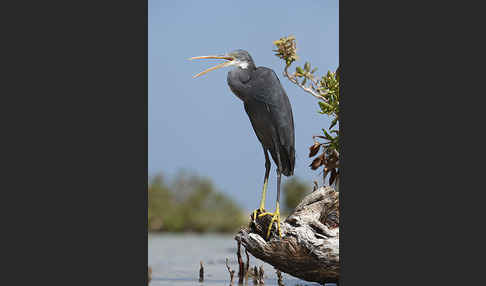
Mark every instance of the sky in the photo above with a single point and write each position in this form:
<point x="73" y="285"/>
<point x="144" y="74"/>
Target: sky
<point x="199" y="125"/>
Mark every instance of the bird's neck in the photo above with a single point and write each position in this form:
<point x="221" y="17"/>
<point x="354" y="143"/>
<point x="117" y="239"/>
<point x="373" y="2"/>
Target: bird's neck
<point x="244" y="65"/>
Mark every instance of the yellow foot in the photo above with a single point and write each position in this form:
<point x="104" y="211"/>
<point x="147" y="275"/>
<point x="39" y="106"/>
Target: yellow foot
<point x="275" y="217"/>
<point x="256" y="212"/>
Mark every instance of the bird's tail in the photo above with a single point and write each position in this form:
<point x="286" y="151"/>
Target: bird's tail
<point x="287" y="158"/>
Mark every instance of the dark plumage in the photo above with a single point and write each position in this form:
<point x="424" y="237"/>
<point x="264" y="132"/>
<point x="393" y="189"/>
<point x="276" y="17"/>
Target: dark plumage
<point x="269" y="110"/>
<point x="270" y="113"/>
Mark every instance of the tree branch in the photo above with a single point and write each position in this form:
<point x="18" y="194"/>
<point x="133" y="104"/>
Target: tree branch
<point x="305" y="88"/>
<point x="309" y="247"/>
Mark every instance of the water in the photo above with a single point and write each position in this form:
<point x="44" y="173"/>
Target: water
<point x="175" y="258"/>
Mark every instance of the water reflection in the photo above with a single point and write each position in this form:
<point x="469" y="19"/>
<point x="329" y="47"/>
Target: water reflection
<point x="175" y="259"/>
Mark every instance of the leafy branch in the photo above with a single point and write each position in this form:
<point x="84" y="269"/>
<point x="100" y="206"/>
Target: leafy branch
<point x="326" y="90"/>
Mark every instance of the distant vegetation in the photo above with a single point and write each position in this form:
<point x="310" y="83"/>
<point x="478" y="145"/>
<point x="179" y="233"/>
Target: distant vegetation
<point x="294" y="190"/>
<point x="191" y="203"/>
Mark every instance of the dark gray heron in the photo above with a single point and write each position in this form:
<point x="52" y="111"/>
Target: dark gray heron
<point x="270" y="113"/>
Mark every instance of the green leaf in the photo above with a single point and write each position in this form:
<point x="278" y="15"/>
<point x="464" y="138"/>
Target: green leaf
<point x="314" y="70"/>
<point x="328" y="137"/>
<point x="333" y="123"/>
<point x="307" y="66"/>
<point x="324" y="106"/>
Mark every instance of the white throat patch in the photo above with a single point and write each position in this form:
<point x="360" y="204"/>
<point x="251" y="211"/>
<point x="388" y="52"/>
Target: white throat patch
<point x="241" y="64"/>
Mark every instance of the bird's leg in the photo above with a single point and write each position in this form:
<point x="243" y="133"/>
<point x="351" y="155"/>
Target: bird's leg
<point x="265" y="184"/>
<point x="261" y="209"/>
<point x="276" y="214"/>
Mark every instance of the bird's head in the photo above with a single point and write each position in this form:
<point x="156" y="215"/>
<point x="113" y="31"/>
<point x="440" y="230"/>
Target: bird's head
<point x="239" y="58"/>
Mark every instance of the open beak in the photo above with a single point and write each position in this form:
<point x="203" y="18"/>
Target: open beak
<point x="222" y="65"/>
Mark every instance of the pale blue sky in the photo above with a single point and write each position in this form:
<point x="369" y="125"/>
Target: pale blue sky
<point x="198" y="124"/>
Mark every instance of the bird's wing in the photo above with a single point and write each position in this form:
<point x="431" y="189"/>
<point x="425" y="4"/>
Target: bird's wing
<point x="269" y="90"/>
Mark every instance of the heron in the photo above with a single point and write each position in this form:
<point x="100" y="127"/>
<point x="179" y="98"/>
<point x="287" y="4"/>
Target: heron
<point x="270" y="114"/>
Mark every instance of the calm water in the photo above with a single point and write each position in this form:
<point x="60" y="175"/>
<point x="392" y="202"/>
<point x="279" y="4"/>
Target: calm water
<point x="174" y="259"/>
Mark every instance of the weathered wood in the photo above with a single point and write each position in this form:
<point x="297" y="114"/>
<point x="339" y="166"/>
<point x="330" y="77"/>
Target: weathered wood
<point x="261" y="279"/>
<point x="309" y="247"/>
<point x="241" y="265"/>
<point x="279" y="278"/>
<point x="231" y="272"/>
<point x="255" y="276"/>
<point x="201" y="272"/>
<point x="247" y="265"/>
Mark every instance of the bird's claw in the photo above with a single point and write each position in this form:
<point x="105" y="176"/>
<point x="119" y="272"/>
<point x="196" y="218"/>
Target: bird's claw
<point x="256" y="213"/>
<point x="275" y="217"/>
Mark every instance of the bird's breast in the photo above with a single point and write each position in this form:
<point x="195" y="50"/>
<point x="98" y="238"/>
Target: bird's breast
<point x="238" y="82"/>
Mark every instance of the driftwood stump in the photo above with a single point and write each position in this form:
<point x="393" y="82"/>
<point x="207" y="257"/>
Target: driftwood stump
<point x="309" y="247"/>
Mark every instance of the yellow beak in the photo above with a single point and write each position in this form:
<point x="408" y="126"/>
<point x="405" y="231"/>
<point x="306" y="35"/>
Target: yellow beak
<point x="222" y="65"/>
